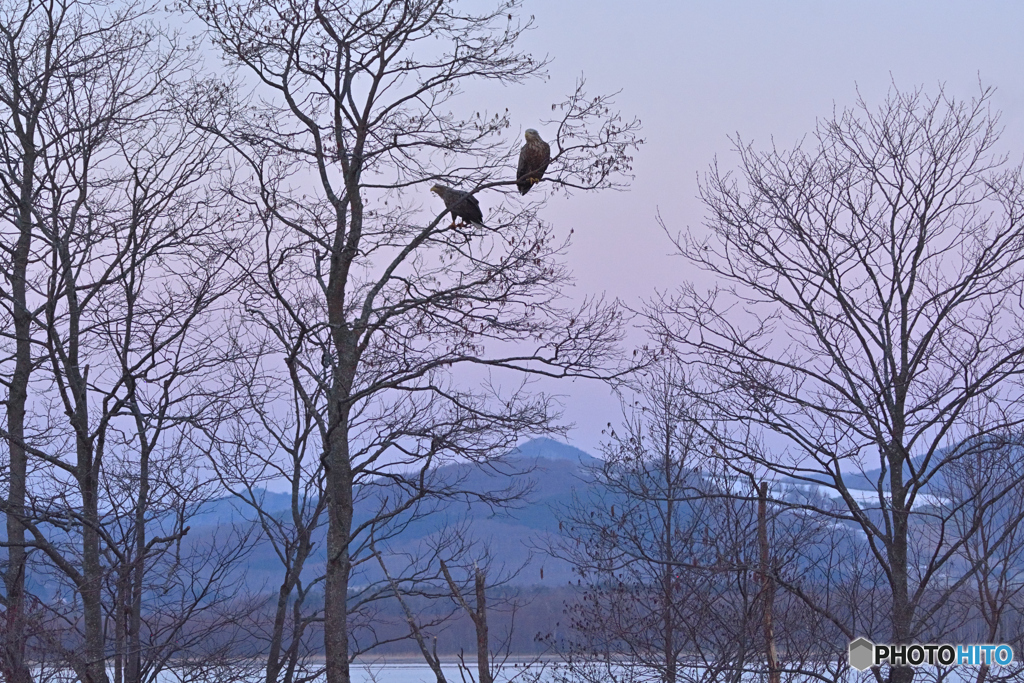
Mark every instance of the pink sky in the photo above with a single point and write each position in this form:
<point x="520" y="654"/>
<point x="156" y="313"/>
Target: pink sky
<point x="696" y="73"/>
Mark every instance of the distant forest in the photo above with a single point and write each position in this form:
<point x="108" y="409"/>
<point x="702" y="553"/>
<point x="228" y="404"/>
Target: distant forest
<point x="283" y="328"/>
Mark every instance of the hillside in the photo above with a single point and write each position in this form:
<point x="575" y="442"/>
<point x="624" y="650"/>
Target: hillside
<point x="551" y="470"/>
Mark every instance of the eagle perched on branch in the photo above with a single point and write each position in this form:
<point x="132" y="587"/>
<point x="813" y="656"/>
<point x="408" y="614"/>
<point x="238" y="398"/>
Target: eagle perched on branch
<point x="461" y="204"/>
<point x="534" y="158"/>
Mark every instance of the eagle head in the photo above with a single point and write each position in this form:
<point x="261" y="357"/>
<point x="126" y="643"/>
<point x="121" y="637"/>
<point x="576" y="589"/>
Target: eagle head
<point x="531" y="134"/>
<point x="438" y="190"/>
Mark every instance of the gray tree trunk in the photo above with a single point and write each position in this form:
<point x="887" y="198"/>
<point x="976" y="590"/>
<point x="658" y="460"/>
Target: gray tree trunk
<point x="15" y="668"/>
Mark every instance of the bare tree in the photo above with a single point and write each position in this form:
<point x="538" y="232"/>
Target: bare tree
<point x="441" y="583"/>
<point x="275" y="441"/>
<point x="126" y="272"/>
<point x="375" y="305"/>
<point x="478" y="614"/>
<point x="173" y="596"/>
<point x="47" y="51"/>
<point x="666" y="550"/>
<point x="417" y="627"/>
<point x="992" y="602"/>
<point x="867" y="320"/>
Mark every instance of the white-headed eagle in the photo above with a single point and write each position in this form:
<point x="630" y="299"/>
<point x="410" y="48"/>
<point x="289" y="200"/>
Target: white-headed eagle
<point x="461" y="204"/>
<point x="534" y="158"/>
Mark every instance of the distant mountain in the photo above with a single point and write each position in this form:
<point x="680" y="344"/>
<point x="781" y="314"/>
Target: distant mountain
<point x="551" y="472"/>
<point x="514" y="537"/>
<point x="549" y="449"/>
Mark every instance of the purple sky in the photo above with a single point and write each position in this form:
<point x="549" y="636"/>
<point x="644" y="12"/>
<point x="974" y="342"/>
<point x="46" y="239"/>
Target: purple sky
<point x="696" y="73"/>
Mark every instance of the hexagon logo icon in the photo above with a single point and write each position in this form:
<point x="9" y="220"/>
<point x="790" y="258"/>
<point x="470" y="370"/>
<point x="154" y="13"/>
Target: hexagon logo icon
<point x="862" y="654"/>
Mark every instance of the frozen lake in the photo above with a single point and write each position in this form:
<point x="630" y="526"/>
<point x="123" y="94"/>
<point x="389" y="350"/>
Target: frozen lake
<point x="414" y="671"/>
<point x="417" y="672"/>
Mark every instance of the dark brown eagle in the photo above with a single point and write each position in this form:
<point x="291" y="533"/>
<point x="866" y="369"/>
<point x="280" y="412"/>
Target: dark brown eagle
<point x="461" y="204"/>
<point x="534" y="158"/>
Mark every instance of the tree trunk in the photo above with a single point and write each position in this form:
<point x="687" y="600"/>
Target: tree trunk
<point x="15" y="669"/>
<point x="121" y="616"/>
<point x="274" y="660"/>
<point x="768" y="585"/>
<point x="91" y="588"/>
<point x="134" y="656"/>
<point x="483" y="664"/>
<point x="337" y="465"/>
<point x="668" y="571"/>
<point x="902" y="612"/>
<point x="339" y="529"/>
